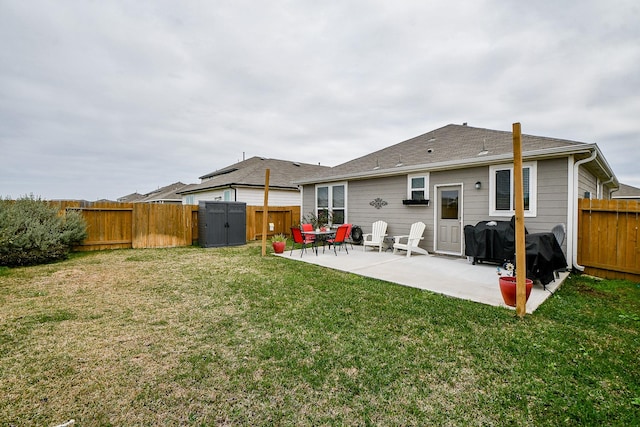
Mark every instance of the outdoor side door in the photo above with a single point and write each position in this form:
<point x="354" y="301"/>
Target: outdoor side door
<point x="215" y="224"/>
<point x="448" y="221"/>
<point x="236" y="223"/>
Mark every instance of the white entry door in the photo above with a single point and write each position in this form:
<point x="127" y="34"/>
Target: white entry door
<point x="449" y="220"/>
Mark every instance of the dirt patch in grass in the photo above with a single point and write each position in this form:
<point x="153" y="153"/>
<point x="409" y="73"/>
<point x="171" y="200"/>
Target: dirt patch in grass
<point x="586" y="289"/>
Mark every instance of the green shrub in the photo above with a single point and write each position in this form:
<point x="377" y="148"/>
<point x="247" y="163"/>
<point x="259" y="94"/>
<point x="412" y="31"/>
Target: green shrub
<point x="36" y="232"/>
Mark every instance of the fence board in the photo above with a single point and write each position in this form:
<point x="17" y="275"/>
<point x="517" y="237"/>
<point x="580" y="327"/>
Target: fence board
<point x="608" y="243"/>
<point x="108" y="224"/>
<point x="161" y="225"/>
<point x="112" y="225"/>
<point x="282" y="217"/>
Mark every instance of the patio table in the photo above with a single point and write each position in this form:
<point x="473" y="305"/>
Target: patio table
<point x="319" y="235"/>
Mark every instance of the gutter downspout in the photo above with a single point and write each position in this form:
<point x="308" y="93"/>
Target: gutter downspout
<point x="301" y="189"/>
<point x="574" y="202"/>
<point x="614" y="189"/>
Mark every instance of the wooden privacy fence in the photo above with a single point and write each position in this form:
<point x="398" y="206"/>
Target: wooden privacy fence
<point x="112" y="225"/>
<point x="608" y="238"/>
<point x="282" y="218"/>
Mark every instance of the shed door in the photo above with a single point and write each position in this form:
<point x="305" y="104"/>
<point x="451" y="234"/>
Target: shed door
<point x="236" y="224"/>
<point x="216" y="232"/>
<point x="449" y="220"/>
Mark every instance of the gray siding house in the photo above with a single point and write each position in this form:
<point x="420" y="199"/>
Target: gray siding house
<point x="459" y="175"/>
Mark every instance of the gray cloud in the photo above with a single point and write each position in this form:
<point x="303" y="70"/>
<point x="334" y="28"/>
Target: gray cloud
<point x="101" y="99"/>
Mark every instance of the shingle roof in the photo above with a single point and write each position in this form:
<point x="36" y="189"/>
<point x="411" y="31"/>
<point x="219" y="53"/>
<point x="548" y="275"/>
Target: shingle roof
<point x="133" y="197"/>
<point x="251" y="172"/>
<point x="167" y="193"/>
<point x="448" y="144"/>
<point x="627" y="192"/>
<point x="164" y="194"/>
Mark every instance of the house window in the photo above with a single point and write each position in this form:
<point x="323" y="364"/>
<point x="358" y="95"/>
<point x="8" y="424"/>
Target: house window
<point x="502" y="194"/>
<point x="331" y="203"/>
<point x="227" y="196"/>
<point x="449" y="204"/>
<point x="418" y="187"/>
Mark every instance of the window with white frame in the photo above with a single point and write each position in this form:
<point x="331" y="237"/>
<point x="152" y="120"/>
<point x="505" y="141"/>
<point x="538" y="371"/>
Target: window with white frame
<point x="331" y="203"/>
<point x="501" y="189"/>
<point x="227" y="196"/>
<point x="418" y="187"/>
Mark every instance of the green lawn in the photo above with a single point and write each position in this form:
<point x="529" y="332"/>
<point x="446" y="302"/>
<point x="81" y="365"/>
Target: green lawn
<point x="194" y="336"/>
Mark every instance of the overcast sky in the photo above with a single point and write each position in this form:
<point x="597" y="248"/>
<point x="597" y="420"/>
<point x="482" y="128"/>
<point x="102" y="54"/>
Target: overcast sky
<point x="100" y="99"/>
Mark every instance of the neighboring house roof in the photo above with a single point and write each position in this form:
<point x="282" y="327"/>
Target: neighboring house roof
<point x="167" y="194"/>
<point x="133" y="197"/>
<point x="627" y="192"/>
<point x="251" y="173"/>
<point x="455" y="146"/>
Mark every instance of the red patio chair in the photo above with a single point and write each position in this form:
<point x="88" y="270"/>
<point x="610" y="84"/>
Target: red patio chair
<point x="308" y="227"/>
<point x="349" y="239"/>
<point x="310" y="239"/>
<point x="340" y="239"/>
<point x="299" y="238"/>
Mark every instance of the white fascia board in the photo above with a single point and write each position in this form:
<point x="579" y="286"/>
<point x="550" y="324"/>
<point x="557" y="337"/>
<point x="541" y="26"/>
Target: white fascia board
<point x="602" y="161"/>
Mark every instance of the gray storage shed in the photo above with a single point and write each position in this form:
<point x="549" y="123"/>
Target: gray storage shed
<point x="222" y="224"/>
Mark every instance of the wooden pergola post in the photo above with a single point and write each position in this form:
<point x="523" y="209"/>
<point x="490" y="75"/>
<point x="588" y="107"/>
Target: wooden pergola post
<point x="521" y="260"/>
<point x="265" y="212"/>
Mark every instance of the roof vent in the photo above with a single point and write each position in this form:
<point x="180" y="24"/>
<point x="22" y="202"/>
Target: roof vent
<point x="429" y="150"/>
<point x="484" y="151"/>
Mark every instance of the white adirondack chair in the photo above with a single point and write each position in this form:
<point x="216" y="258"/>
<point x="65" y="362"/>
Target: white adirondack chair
<point x="412" y="240"/>
<point x="376" y="237"/>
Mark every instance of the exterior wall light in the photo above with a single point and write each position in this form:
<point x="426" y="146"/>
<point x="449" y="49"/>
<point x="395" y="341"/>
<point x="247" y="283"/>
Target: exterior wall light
<point x="478" y="185"/>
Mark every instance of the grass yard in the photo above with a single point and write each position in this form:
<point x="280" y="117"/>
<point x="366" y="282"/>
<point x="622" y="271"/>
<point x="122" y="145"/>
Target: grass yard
<point x="194" y="336"/>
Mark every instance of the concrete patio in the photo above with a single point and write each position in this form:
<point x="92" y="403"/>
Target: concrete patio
<point x="450" y="276"/>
